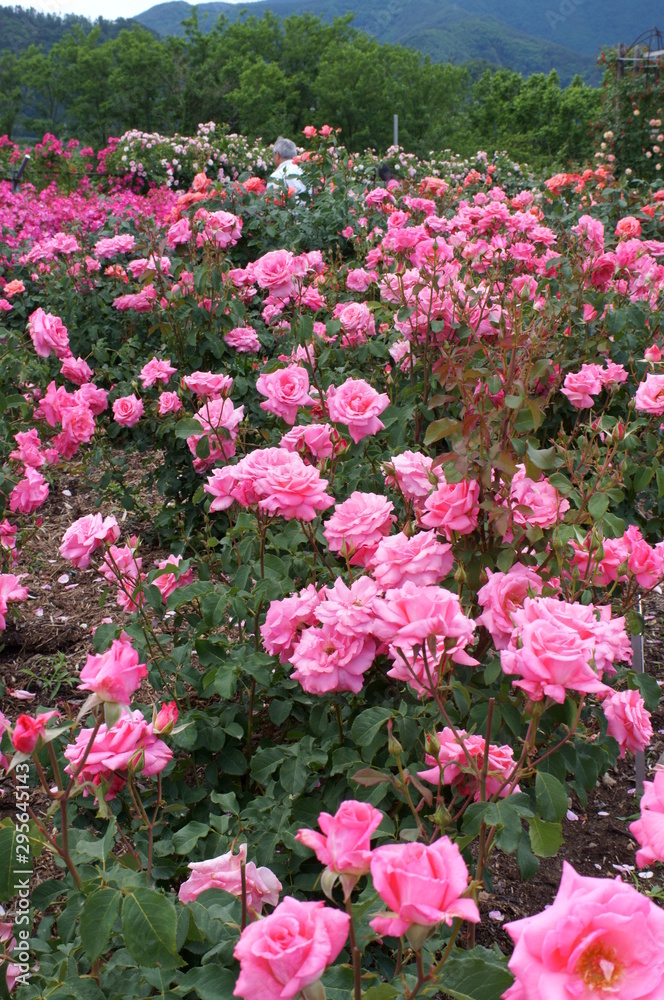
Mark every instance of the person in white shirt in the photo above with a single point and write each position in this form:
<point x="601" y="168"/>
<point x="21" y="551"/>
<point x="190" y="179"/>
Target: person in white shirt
<point x="286" y="172"/>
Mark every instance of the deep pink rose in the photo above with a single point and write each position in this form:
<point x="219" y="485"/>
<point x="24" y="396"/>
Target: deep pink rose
<point x="225" y="872"/>
<point x="285" y="620"/>
<point x="92" y="396"/>
<point x="344" y="846"/>
<point x="649" y="396"/>
<point x="287" y="389"/>
<point x="243" y="339"/>
<point x="85" y="535"/>
<point x="280" y="272"/>
<point x="357" y="526"/>
<point x="649" y="829"/>
<point x="28" y="731"/>
<point x="128" y="410"/>
<point x="628" y="719"/>
<point x="501" y="595"/>
<point x="10" y="590"/>
<point x="48" y="333"/>
<point x="358" y="405"/>
<point x="29" y="492"/>
<point x="289" y="950"/>
<point x="581" y="387"/>
<point x="452" y="766"/>
<point x="169" y="402"/>
<point x="599" y="938"/>
<point x="114" y="675"/>
<point x="156" y="370"/>
<point x="453" y="507"/>
<point x="77" y="370"/>
<point x="327" y="660"/>
<point x="421" y="884"/>
<point x="420" y="559"/>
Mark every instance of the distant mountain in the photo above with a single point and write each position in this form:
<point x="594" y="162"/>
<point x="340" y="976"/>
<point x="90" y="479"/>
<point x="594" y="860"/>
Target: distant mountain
<point x="20" y="28"/>
<point x="526" y="35"/>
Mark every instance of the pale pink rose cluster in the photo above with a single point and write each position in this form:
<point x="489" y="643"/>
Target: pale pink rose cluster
<point x="115" y="674"/>
<point x="460" y="762"/>
<point x="619" y="559"/>
<point x="30" y="450"/>
<point x="130" y="742"/>
<point x="599" y="938"/>
<point x="275" y="480"/>
<point x="75" y="411"/>
<point x="262" y="887"/>
<point x="558" y="646"/>
<point x="581" y="387"/>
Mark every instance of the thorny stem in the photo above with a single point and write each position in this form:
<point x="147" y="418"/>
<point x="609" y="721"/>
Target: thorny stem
<point x="355" y="953"/>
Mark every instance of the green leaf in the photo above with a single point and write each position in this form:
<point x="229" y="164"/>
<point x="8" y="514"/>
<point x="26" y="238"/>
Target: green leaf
<point x="551" y="797"/>
<point x="598" y="505"/>
<point x="440" y="429"/>
<point x="265" y="762"/>
<point x="642" y="477"/>
<point x="475" y="975"/>
<point x="7" y="862"/>
<point x="149" y="925"/>
<point x="185" y="428"/>
<point x="211" y="982"/>
<point x="382" y="992"/>
<point x="649" y="688"/>
<point x="526" y="860"/>
<point x="542" y="458"/>
<point x="367" y="724"/>
<point x="545" y="838"/>
<point x="185" y="840"/>
<point x="97" y="920"/>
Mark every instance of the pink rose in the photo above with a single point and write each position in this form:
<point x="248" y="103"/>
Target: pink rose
<point x="357" y="323"/>
<point x="167" y="582"/>
<point x="646" y="563"/>
<point x="357" y="526"/>
<point x="287" y="389"/>
<point x="413" y="473"/>
<point x="10" y="590"/>
<point x="327" y="660"/>
<point x="453" y="507"/>
<point x="114" y="675"/>
<point x="501" y="595"/>
<point x="421" y="884"/>
<point x="653" y="353"/>
<point x="293" y="490"/>
<point x="156" y="370"/>
<point x="421" y="559"/>
<point x="165" y="719"/>
<point x="649" y="396"/>
<point x="169" y="402"/>
<point x="350" y="610"/>
<point x="93" y="397"/>
<point x="29" y="730"/>
<point x="225" y="873"/>
<point x="280" y="272"/>
<point x="546" y="505"/>
<point x="599" y="937"/>
<point x="208" y="384"/>
<point x="29" y="449"/>
<point x="78" y="424"/>
<point x="179" y="232"/>
<point x="128" y="410"/>
<point x="48" y="333"/>
<point x="628" y="227"/>
<point x="344" y="846"/>
<point x="289" y="950"/>
<point x="318" y="440"/>
<point x="358" y="405"/>
<point x="243" y="339"/>
<point x="452" y="765"/>
<point x="77" y="370"/>
<point x="580" y="387"/>
<point x="629" y="722"/>
<point x="86" y="535"/>
<point x="649" y="829"/>
<point x="219" y="421"/>
<point x="29" y="492"/>
<point x="285" y="620"/>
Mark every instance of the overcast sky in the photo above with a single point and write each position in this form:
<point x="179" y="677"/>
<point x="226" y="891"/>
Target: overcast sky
<point x="92" y="8"/>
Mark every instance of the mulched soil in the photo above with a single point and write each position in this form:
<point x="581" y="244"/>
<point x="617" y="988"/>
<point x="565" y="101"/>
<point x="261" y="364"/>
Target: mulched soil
<point x="48" y="638"/>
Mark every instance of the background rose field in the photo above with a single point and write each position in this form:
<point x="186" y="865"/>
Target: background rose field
<point x="373" y="494"/>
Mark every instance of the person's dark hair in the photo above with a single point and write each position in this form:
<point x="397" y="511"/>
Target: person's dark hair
<point x="385" y="173"/>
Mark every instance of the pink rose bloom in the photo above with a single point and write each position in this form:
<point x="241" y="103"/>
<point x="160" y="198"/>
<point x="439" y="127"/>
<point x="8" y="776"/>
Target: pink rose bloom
<point x="29" y="492"/>
<point x="628" y="227"/>
<point x="208" y="384"/>
<point x="285" y="620"/>
<point x="653" y="353"/>
<point x="359" y="280"/>
<point x="421" y="559"/>
<point x="287" y="389"/>
<point x="178" y="233"/>
<point x="629" y="721"/>
<point x="77" y="370"/>
<point x="453" y="507"/>
<point x="48" y="333"/>
<point x="289" y="950"/>
<point x="293" y="490"/>
<point x="646" y="563"/>
<point x="93" y="397"/>
<point x="169" y="581"/>
<point x="114" y="245"/>
<point x="351" y="610"/>
<point x="452" y="767"/>
<point x="649" y="829"/>
<point x="649" y="396"/>
<point x="222" y="227"/>
<point x="501" y="595"/>
<point x="421" y="884"/>
<point x="357" y="323"/>
<point x="29" y="449"/>
<point x="225" y="873"/>
<point x="344" y="846"/>
<point x="613" y="374"/>
<point x="114" y="675"/>
<point x="128" y="410"/>
<point x="7" y="944"/>
<point x="243" y="339"/>
<point x="580" y="387"/>
<point x="599" y="938"/>
<point x="315" y="440"/>
<point x="157" y="370"/>
<point x="8" y="535"/>
<point x="10" y="590"/>
<point x="546" y="505"/>
<point x="165" y="719"/>
<point x="358" y="405"/>
<point x="28" y="731"/>
<point x="413" y="473"/>
<point x="357" y="526"/>
<point x="54" y="403"/>
<point x="140" y="302"/>
<point x="219" y="420"/>
<point x="78" y="424"/>
<point x="169" y="402"/>
<point x="220" y="485"/>
<point x="327" y="660"/>
<point x="280" y="272"/>
<point x="130" y="741"/>
<point x="86" y="535"/>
